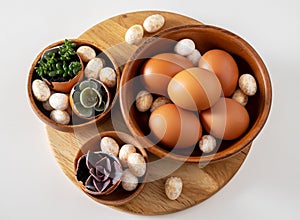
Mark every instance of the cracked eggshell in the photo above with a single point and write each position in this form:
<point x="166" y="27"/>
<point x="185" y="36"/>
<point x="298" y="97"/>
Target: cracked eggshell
<point x="59" y="101"/>
<point x="109" y="145"/>
<point x="136" y="164"/>
<point x="129" y="181"/>
<point x="125" y="150"/>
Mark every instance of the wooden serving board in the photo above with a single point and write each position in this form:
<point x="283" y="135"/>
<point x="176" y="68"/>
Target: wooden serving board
<point x="198" y="183"/>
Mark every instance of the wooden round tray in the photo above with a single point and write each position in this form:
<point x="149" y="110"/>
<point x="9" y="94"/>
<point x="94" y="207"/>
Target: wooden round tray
<point x="199" y="183"/>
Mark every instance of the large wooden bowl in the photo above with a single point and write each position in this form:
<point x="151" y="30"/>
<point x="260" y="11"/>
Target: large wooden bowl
<point x="75" y="122"/>
<point x="119" y="196"/>
<point x="205" y="37"/>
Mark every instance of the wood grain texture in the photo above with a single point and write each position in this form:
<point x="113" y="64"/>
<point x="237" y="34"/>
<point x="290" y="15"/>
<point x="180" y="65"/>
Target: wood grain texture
<point x="199" y="183"/>
<point x="110" y="33"/>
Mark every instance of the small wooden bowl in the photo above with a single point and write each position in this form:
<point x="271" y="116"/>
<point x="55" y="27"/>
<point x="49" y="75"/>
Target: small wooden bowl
<point x="119" y="196"/>
<point x="206" y="37"/>
<point x="75" y="121"/>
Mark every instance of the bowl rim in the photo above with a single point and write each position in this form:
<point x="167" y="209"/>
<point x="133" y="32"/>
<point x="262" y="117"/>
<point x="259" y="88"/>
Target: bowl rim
<point x="117" y="135"/>
<point x="71" y="127"/>
<point x="238" y="146"/>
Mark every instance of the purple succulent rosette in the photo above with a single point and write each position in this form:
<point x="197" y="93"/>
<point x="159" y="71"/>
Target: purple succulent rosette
<point x="99" y="172"/>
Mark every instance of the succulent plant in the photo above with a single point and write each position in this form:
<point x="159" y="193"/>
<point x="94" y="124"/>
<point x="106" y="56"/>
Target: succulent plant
<point x="90" y="98"/>
<point x="67" y="50"/>
<point x="100" y="173"/>
<point x="59" y="64"/>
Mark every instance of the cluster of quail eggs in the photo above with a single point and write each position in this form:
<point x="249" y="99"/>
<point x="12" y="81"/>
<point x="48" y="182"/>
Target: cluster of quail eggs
<point x="133" y="162"/>
<point x="151" y="24"/>
<point x="54" y="102"/>
<point x="134" y="166"/>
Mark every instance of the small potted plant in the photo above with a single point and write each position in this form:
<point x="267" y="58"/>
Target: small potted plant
<point x="60" y="67"/>
<point x="99" y="173"/>
<point x="89" y="98"/>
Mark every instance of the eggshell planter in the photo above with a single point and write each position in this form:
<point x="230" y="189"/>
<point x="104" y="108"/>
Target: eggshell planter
<point x="66" y="86"/>
<point x="97" y="193"/>
<point x="76" y="111"/>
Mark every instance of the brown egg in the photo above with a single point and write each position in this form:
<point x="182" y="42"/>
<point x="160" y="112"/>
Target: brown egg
<point x="224" y="66"/>
<point x="226" y="120"/>
<point x="175" y="127"/>
<point x="194" y="89"/>
<point x="158" y="71"/>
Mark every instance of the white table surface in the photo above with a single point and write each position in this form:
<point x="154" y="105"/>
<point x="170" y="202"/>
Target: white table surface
<point x="34" y="187"/>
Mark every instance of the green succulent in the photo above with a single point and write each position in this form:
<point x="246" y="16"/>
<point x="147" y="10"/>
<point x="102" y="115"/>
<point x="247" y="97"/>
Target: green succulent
<point x="66" y="51"/>
<point x="59" y="64"/>
<point x="90" y="98"/>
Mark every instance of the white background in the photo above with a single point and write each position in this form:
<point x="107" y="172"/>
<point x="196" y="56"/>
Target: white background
<point x="34" y="187"/>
